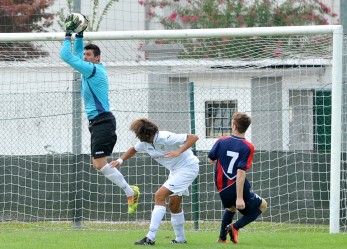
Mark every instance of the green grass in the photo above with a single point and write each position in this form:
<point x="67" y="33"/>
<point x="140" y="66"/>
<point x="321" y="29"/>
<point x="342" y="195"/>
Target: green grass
<point x="84" y="239"/>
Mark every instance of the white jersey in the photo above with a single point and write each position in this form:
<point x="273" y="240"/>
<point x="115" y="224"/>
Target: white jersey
<point x="164" y="142"/>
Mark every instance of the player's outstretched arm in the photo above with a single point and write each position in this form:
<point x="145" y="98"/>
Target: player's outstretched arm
<point x="128" y="154"/>
<point x="191" y="139"/>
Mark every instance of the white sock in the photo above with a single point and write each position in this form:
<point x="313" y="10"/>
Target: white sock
<point x="177" y="221"/>
<point x="157" y="215"/>
<point x="117" y="178"/>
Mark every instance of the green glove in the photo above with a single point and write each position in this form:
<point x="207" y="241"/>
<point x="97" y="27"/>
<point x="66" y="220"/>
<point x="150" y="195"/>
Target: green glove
<point x="71" y="23"/>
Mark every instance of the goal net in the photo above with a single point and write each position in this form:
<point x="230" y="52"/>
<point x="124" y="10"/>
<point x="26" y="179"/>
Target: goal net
<point x="288" y="79"/>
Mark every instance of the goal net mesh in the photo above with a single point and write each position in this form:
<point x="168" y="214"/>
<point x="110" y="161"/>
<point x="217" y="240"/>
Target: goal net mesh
<point x="189" y="85"/>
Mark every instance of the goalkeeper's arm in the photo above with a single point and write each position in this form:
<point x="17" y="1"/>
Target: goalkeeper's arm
<point x="84" y="67"/>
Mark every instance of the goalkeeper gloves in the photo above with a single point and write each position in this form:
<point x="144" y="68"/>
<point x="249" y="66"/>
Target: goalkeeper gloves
<point x="71" y="23"/>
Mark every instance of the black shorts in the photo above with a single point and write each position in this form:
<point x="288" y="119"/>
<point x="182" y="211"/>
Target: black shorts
<point x="252" y="200"/>
<point x="103" y="135"/>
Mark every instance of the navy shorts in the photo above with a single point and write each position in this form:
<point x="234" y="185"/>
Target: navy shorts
<point x="252" y="200"/>
<point x="103" y="135"/>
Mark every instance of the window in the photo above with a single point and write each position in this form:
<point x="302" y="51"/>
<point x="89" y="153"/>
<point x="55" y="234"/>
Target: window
<point x="218" y="116"/>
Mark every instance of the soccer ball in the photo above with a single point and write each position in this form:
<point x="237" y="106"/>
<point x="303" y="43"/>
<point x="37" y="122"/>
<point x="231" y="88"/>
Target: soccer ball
<point x="84" y="22"/>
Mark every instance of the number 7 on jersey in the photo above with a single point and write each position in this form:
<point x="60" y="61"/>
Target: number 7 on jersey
<point x="234" y="155"/>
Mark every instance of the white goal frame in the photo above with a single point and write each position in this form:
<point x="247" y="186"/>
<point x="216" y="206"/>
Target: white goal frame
<point x="335" y="30"/>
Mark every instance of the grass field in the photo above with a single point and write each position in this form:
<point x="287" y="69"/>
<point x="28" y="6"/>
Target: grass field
<point x="84" y="239"/>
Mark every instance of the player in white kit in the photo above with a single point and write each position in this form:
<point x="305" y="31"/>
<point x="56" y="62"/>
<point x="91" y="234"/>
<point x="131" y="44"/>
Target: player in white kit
<point x="173" y="151"/>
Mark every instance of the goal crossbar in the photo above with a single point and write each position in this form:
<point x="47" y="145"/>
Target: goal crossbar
<point x="181" y="33"/>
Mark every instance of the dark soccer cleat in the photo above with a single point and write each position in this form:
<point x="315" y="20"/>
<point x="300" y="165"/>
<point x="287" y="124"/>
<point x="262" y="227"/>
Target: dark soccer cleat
<point x="145" y="242"/>
<point x="176" y="242"/>
<point x="234" y="234"/>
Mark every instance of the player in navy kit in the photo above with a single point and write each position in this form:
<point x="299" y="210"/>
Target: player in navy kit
<point x="94" y="90"/>
<point x="233" y="156"/>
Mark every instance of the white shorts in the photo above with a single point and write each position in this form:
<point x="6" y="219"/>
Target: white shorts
<point x="180" y="180"/>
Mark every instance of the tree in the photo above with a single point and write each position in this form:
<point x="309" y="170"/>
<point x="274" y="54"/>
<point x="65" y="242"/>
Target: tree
<point x="23" y="16"/>
<point x="198" y="14"/>
<point x="205" y="14"/>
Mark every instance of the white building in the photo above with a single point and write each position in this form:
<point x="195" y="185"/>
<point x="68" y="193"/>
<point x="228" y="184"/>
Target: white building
<point x="279" y="95"/>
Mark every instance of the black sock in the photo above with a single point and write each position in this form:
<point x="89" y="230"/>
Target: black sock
<point x="245" y="220"/>
<point x="226" y="220"/>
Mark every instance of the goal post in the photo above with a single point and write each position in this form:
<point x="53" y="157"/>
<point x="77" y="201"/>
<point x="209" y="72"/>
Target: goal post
<point x="288" y="79"/>
<point x="336" y="117"/>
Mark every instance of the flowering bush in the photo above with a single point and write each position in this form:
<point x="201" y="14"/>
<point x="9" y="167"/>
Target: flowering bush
<point x="198" y="14"/>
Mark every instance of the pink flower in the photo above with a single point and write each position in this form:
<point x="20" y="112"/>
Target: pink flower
<point x="224" y="39"/>
<point x="160" y="41"/>
<point x="173" y="16"/>
<point x="279" y="43"/>
<point x="186" y="19"/>
<point x="163" y="4"/>
<point x="325" y="8"/>
<point x="277" y="52"/>
<point x="307" y="17"/>
<point x="150" y="13"/>
<point x="239" y="18"/>
<point x="195" y="18"/>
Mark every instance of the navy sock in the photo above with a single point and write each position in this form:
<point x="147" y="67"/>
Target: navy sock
<point x="245" y="220"/>
<point x="226" y="220"/>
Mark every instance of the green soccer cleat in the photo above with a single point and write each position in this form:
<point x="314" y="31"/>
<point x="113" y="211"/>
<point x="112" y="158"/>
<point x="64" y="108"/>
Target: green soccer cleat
<point x="134" y="200"/>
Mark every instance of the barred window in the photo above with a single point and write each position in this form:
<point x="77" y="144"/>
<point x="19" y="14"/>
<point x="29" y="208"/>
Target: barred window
<point x="218" y="116"/>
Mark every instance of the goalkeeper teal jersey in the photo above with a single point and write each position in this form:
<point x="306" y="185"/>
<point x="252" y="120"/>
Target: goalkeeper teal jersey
<point x="94" y="88"/>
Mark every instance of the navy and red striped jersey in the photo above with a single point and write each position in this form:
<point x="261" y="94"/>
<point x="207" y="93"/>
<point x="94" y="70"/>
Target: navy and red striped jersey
<point x="232" y="153"/>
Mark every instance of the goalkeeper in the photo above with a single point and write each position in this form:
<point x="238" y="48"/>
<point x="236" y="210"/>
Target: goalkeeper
<point x="232" y="156"/>
<point x="94" y="90"/>
<point x="173" y="152"/>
